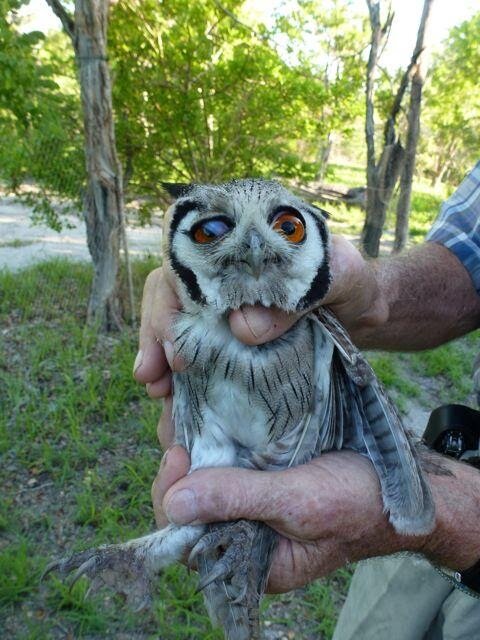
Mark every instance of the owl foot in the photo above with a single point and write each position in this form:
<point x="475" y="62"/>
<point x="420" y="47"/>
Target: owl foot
<point x="229" y="546"/>
<point x="129" y="568"/>
<point x="122" y="567"/>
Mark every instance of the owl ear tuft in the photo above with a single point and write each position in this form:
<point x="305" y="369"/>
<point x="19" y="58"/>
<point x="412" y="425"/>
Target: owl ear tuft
<point x="177" y="189"/>
<point x="317" y="210"/>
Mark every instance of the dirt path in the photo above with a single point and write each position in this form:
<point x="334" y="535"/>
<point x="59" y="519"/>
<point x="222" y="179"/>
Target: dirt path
<point x="22" y="244"/>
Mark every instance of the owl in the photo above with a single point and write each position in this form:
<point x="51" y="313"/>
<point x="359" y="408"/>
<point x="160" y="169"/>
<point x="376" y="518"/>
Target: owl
<point x="267" y="407"/>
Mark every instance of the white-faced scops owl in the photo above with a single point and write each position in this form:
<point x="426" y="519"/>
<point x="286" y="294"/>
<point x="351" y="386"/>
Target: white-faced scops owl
<point x="268" y="407"/>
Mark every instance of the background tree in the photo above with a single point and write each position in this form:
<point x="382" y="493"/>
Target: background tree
<point x="383" y="175"/>
<point x="413" y="130"/>
<point x="452" y="106"/>
<point x="103" y="202"/>
<point x="206" y="92"/>
<point x="40" y="124"/>
<point x="328" y="39"/>
<point x="221" y="99"/>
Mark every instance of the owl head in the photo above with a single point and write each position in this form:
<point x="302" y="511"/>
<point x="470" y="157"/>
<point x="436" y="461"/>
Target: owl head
<point x="246" y="242"/>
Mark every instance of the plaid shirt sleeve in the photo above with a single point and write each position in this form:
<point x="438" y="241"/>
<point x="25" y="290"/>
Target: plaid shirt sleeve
<point x="458" y="225"/>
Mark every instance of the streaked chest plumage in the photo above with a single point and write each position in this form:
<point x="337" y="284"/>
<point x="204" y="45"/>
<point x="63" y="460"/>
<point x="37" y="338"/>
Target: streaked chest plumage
<point x="246" y="400"/>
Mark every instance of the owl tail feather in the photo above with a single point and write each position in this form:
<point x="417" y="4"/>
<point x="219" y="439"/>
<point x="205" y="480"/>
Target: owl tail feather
<point x="238" y="556"/>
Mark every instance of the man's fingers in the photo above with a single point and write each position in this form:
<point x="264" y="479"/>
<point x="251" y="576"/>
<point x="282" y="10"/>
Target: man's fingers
<point x="212" y="495"/>
<point x="159" y="307"/>
<point x="256" y="325"/>
<point x="165" y="429"/>
<point x="160" y="388"/>
<point x="295" y="564"/>
<point x="175" y="464"/>
<point x="150" y="363"/>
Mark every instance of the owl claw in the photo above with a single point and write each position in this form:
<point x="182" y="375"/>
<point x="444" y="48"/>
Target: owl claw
<point x="144" y="604"/>
<point x="237" y="539"/>
<point x="83" y="569"/>
<point x="242" y="596"/>
<point x="117" y="566"/>
<point x="51" y="566"/>
<point x="219" y="572"/>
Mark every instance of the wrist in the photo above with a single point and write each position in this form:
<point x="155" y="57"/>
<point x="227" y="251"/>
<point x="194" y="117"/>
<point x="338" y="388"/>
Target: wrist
<point x="455" y="540"/>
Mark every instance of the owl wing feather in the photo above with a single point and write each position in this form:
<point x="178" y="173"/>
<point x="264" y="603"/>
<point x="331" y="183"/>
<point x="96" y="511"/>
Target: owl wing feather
<point x="363" y="418"/>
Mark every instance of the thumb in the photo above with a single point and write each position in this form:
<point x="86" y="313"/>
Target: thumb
<point x="215" y="495"/>
<point x="256" y="325"/>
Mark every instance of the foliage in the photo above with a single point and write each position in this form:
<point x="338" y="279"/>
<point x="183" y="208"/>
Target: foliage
<point x="40" y="122"/>
<point x="201" y="96"/>
<point x="452" y="101"/>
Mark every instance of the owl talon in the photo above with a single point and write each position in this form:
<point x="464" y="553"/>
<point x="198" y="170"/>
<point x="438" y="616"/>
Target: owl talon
<point x="219" y="572"/>
<point x="83" y="569"/>
<point x="229" y="548"/>
<point x="116" y="566"/>
<point x="243" y="594"/>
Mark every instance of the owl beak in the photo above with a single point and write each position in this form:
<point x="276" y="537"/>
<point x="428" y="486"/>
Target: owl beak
<point x="255" y="255"/>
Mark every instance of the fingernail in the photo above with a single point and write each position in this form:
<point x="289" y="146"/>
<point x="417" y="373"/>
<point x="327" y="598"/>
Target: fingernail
<point x="169" y="354"/>
<point x="181" y="508"/>
<point x="138" y="361"/>
<point x="258" y="319"/>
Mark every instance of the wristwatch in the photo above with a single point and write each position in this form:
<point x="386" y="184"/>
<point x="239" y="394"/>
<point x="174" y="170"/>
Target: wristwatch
<point x="454" y="430"/>
<point x="467" y="581"/>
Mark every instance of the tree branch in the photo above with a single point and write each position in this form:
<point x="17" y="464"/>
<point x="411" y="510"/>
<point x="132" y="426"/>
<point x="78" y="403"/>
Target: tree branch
<point x="65" y="18"/>
<point x="389" y="131"/>
<point x="233" y="17"/>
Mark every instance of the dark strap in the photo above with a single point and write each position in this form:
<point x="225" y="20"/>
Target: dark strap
<point x="471" y="577"/>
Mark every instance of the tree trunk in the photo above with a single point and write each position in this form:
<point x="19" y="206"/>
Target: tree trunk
<point x="376" y="201"/>
<point x="104" y="199"/>
<point x="381" y="177"/>
<point x="386" y="176"/>
<point x="323" y="157"/>
<point x="103" y="202"/>
<point x="413" y="131"/>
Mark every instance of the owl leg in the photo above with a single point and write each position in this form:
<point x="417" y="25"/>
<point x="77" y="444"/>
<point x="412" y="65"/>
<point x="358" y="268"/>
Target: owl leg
<point x="130" y="568"/>
<point x="228" y="550"/>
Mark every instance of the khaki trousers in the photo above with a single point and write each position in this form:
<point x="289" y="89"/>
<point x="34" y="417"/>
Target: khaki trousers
<point x="405" y="598"/>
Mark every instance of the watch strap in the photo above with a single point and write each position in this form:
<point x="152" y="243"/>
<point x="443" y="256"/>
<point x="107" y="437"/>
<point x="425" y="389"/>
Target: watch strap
<point x="470" y="577"/>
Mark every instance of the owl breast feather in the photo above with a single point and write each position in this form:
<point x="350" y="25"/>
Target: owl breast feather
<point x="241" y="405"/>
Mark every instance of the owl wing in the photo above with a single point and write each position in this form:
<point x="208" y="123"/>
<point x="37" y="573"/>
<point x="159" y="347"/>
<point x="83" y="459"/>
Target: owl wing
<point x="360" y="416"/>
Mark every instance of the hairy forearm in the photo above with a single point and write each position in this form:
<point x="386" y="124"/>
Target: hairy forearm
<point x="416" y="301"/>
<point x="455" y="542"/>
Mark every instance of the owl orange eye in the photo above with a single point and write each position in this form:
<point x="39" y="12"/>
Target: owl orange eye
<point x="210" y="230"/>
<point x="290" y="226"/>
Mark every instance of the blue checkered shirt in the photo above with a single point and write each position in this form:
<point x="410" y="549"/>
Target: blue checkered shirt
<point x="458" y="224"/>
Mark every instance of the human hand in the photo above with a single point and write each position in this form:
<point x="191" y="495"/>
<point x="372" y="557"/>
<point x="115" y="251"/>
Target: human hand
<point x="327" y="512"/>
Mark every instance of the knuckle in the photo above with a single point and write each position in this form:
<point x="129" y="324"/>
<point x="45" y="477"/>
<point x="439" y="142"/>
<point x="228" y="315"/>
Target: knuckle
<point x="152" y="278"/>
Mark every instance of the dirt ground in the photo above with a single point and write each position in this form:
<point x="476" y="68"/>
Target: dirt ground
<point x="22" y="244"/>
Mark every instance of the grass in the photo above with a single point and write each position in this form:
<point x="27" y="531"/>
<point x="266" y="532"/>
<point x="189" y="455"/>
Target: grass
<point x="16" y="243"/>
<point x="79" y="452"/>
